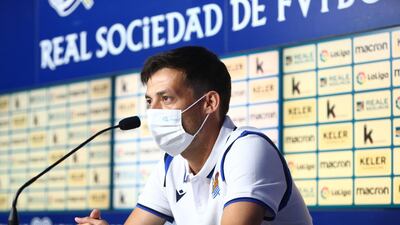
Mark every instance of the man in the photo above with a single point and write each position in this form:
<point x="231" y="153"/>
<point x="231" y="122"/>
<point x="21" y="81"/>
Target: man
<point x="212" y="173"/>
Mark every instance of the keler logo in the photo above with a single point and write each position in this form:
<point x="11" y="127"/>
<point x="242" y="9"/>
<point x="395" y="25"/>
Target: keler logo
<point x="368" y="135"/>
<point x="330" y="110"/>
<point x="66" y="7"/>
<point x="295" y="86"/>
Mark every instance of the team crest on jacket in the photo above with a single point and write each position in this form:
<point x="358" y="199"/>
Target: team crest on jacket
<point x="215" y="186"/>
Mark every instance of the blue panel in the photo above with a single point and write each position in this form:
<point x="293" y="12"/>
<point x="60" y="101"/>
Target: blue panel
<point x="320" y="217"/>
<point x="26" y="23"/>
<point x="31" y="22"/>
<point x="275" y="27"/>
<point x="64" y="218"/>
<point x="359" y="216"/>
<point x="17" y="44"/>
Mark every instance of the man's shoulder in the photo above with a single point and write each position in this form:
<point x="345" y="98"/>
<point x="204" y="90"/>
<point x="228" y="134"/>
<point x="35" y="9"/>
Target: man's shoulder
<point x="248" y="144"/>
<point x="169" y="161"/>
<point x="247" y="134"/>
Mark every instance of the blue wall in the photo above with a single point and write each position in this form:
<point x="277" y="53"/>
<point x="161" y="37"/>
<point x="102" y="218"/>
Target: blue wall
<point x="17" y="24"/>
<point x="19" y="70"/>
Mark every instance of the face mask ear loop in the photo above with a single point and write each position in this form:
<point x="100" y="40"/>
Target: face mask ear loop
<point x="204" y="121"/>
<point x="194" y="103"/>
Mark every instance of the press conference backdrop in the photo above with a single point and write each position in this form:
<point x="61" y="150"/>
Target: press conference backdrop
<point x="328" y="96"/>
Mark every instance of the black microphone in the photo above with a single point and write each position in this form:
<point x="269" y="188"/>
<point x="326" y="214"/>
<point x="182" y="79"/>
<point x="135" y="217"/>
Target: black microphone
<point x="129" y="123"/>
<point x="125" y="124"/>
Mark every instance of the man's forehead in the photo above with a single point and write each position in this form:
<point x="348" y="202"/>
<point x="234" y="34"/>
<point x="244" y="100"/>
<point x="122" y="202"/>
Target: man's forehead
<point x="166" y="75"/>
<point x="166" y="80"/>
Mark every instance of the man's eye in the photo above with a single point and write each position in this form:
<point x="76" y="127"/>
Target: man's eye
<point x="166" y="98"/>
<point x="148" y="101"/>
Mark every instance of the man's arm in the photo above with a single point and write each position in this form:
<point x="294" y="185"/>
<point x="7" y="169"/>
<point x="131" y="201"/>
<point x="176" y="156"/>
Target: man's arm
<point x="255" y="180"/>
<point x="142" y="217"/>
<point x="243" y="213"/>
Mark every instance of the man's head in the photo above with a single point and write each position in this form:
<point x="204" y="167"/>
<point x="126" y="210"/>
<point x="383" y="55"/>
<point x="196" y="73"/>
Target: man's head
<point x="202" y="72"/>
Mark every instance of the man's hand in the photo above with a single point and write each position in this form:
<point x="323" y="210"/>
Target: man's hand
<point x="93" y="219"/>
<point x="138" y="216"/>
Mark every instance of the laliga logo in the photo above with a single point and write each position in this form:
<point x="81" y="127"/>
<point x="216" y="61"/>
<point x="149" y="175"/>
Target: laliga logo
<point x="38" y="221"/>
<point x="361" y="77"/>
<point x="398" y="102"/>
<point x="325" y="192"/>
<point x="66" y="7"/>
<point x="324" y="55"/>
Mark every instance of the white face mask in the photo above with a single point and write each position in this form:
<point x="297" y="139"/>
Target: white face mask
<point x="167" y="130"/>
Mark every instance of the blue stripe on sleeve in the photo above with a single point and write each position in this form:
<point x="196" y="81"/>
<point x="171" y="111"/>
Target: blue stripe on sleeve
<point x="152" y="211"/>
<point x="288" y="177"/>
<point x="253" y="200"/>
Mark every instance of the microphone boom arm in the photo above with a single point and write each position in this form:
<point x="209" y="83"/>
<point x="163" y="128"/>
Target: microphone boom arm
<point x="13" y="217"/>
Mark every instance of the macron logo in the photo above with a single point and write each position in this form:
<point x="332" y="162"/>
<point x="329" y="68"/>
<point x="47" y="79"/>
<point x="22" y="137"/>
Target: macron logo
<point x="179" y="194"/>
<point x="66" y="7"/>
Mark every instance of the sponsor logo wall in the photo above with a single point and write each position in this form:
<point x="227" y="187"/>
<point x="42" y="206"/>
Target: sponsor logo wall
<point x="38" y="127"/>
<point x="255" y="91"/>
<point x="135" y="154"/>
<point x="340" y="127"/>
<point x="64" y="115"/>
<point x="334" y="111"/>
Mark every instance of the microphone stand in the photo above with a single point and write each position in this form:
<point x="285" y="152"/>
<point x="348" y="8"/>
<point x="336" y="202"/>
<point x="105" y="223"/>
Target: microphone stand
<point x="13" y="217"/>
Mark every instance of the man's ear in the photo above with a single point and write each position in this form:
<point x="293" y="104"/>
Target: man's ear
<point x="213" y="101"/>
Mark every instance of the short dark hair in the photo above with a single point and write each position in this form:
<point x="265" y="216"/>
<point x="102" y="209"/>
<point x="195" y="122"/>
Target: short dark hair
<point x="203" y="71"/>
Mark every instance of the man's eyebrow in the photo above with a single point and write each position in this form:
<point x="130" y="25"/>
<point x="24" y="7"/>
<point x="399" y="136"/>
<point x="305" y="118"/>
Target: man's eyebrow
<point x="159" y="93"/>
